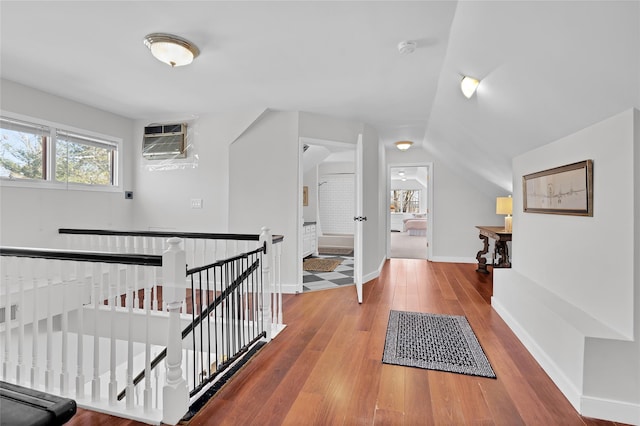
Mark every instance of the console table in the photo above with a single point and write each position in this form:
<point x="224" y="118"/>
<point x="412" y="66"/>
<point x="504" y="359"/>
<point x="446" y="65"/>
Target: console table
<point x="501" y="249"/>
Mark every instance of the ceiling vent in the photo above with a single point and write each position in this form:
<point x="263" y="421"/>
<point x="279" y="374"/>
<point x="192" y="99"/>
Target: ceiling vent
<point x="164" y="141"/>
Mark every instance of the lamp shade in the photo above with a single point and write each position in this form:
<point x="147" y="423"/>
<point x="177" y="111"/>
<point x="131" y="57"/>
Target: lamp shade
<point x="504" y="205"/>
<point x="170" y="49"/>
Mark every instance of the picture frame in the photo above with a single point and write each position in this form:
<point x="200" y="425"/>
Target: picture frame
<point x="305" y="196"/>
<point x="566" y="190"/>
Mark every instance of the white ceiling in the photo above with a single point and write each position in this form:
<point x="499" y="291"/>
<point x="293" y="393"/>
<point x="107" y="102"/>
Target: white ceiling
<point x="548" y="68"/>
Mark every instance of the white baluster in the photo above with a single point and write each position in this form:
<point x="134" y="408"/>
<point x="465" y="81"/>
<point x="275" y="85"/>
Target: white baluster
<point x="49" y="373"/>
<point x="113" y="296"/>
<point x="34" y="338"/>
<point x="64" y="372"/>
<point x="81" y="281"/>
<point x="175" y="395"/>
<point x="6" y="364"/>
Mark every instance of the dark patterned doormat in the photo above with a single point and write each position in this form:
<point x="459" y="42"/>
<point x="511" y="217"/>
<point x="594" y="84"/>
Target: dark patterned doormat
<point x="435" y="342"/>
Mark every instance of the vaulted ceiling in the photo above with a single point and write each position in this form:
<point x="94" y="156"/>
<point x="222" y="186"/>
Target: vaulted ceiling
<point x="547" y="68"/>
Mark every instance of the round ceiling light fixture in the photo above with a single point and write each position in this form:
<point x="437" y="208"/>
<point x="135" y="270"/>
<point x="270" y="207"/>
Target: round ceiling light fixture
<point x="170" y="49"/>
<point x="407" y="47"/>
<point x="403" y="145"/>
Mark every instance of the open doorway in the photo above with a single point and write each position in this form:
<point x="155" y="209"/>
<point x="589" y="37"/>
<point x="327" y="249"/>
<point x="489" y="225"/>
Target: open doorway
<point x="328" y="174"/>
<point x="409" y="212"/>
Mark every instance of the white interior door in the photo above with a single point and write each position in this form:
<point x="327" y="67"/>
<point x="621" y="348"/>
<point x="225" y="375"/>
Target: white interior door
<point x="358" y="219"/>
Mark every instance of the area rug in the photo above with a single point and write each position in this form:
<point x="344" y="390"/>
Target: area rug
<point x="339" y="251"/>
<point x="320" y="265"/>
<point x="434" y="342"/>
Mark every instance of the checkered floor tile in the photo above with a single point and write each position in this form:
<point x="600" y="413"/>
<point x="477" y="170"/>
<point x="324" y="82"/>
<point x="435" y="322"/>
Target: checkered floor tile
<point x="342" y="275"/>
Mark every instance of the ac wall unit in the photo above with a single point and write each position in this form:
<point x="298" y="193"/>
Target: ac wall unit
<point x="164" y="141"/>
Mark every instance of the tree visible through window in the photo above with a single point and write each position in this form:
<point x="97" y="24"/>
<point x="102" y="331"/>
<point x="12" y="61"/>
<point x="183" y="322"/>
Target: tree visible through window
<point x="405" y="200"/>
<point x="84" y="161"/>
<point x="27" y="149"/>
<point x="22" y="150"/>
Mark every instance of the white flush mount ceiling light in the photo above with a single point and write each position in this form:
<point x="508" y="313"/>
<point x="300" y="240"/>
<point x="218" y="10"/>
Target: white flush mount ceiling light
<point x="403" y="145"/>
<point x="468" y="85"/>
<point x="407" y="47"/>
<point x="170" y="49"/>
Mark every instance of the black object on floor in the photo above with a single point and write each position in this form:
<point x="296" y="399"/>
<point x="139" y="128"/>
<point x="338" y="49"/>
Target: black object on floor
<point x="23" y="406"/>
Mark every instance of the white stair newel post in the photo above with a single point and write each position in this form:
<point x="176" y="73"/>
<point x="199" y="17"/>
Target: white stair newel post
<point x="129" y="275"/>
<point x="81" y="281"/>
<point x="34" y="334"/>
<point x="147" y="350"/>
<point x="95" y="382"/>
<point x="278" y="264"/>
<point x="113" y="297"/>
<point x="265" y="303"/>
<point x="48" y="377"/>
<point x="20" y="365"/>
<point x="175" y="395"/>
<point x="64" y="371"/>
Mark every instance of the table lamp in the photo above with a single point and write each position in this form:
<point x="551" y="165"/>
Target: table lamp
<point x="504" y="205"/>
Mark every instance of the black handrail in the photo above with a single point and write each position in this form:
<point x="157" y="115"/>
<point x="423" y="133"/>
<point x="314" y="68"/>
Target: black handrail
<point x="169" y="234"/>
<point x="210" y="308"/>
<point x="83" y="256"/>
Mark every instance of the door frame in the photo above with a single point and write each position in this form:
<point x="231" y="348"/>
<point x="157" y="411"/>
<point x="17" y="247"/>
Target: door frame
<point x="300" y="219"/>
<point x="429" y="166"/>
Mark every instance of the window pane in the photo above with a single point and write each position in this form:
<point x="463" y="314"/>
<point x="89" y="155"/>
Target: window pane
<point x="85" y="163"/>
<point x="21" y="150"/>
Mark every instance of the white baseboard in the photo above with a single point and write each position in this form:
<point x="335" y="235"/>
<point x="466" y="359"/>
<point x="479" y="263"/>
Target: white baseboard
<point x="564" y="384"/>
<point x="617" y="411"/>
<point x="375" y="274"/>
<point x="289" y="288"/>
<point x="450" y="259"/>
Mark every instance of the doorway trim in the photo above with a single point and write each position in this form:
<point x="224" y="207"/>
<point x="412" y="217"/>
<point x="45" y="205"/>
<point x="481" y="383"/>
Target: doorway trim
<point x="322" y="142"/>
<point x="429" y="166"/>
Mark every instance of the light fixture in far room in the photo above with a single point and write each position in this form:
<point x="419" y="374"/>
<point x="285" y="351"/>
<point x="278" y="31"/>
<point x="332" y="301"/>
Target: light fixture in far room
<point x="504" y="205"/>
<point x="468" y="85"/>
<point x="170" y="49"/>
<point x="403" y="145"/>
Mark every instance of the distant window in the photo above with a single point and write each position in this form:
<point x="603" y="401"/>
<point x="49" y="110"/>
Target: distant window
<point x="34" y="153"/>
<point x="405" y="200"/>
<point x="23" y="150"/>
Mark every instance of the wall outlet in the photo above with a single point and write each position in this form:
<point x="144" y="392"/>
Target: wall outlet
<point x="196" y="203"/>
<point x="128" y="195"/>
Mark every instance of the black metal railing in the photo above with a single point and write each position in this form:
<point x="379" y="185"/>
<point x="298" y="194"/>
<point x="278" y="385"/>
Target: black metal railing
<point x="224" y="302"/>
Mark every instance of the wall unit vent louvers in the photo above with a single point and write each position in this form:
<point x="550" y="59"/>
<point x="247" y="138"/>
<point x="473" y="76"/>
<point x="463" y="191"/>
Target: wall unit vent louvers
<point x="164" y="141"/>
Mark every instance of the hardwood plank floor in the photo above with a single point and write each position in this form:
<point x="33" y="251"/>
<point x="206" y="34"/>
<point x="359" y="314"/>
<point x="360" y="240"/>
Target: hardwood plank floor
<point x="325" y="368"/>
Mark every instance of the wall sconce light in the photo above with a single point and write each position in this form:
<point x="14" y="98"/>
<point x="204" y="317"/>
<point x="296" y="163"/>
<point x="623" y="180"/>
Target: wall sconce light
<point x="504" y="205"/>
<point x="468" y="85"/>
<point x="403" y="145"/>
<point x="171" y="49"/>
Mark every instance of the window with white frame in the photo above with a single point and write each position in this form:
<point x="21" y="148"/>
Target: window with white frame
<point x="31" y="152"/>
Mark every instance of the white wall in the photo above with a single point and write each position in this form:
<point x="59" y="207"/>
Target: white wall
<point x="31" y="217"/>
<point x="569" y="247"/>
<point x="164" y="193"/>
<point x="573" y="293"/>
<point x="263" y="183"/>
<point x="457" y="208"/>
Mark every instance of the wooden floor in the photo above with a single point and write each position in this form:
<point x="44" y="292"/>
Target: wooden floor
<point x="325" y="368"/>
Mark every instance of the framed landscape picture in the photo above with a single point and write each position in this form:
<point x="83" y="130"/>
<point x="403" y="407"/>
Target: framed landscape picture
<point x="561" y="190"/>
